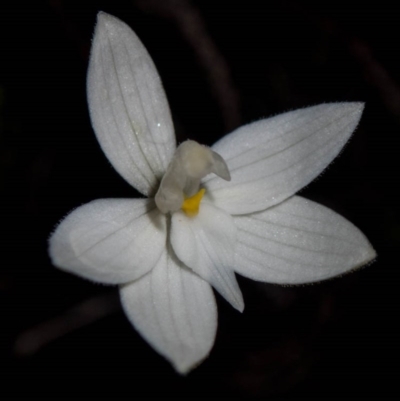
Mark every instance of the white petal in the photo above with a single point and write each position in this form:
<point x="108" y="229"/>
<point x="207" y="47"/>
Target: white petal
<point x="128" y="106"/>
<point x="298" y="241"/>
<point x="206" y="243"/>
<point x="272" y="159"/>
<point x="174" y="310"/>
<point x="110" y="241"/>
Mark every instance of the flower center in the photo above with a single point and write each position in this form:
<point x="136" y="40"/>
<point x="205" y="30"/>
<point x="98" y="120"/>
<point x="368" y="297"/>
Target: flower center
<point x="191" y="205"/>
<point x="180" y="186"/>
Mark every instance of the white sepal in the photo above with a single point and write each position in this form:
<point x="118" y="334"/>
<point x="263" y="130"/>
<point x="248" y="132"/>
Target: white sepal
<point x="206" y="243"/>
<point x="110" y="241"/>
<point x="128" y="106"/>
<point x="175" y="312"/>
<point x="270" y="160"/>
<point x="298" y="241"/>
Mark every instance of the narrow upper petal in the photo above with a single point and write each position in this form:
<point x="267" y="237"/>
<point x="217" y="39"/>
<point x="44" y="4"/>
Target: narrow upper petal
<point x="174" y="310"/>
<point x="270" y="160"/>
<point x="128" y="106"/>
<point x="206" y="243"/>
<point x="298" y="241"/>
<point x="110" y="241"/>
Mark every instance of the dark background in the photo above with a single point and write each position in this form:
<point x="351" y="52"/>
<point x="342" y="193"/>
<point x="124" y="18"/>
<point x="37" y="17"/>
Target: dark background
<point x="223" y="64"/>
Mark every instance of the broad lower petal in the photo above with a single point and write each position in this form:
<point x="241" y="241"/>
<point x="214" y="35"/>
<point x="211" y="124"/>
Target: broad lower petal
<point x="128" y="106"/>
<point x="110" y="241"/>
<point x="270" y="160"/>
<point x="206" y="243"/>
<point x="298" y="241"/>
<point x="174" y="310"/>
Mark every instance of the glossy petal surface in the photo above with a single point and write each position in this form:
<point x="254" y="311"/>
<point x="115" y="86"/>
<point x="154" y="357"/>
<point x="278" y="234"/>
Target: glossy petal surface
<point x="298" y="241"/>
<point x="128" y="106"/>
<point x="174" y="310"/>
<point x="270" y="160"/>
<point x="206" y="243"/>
<point x="110" y="241"/>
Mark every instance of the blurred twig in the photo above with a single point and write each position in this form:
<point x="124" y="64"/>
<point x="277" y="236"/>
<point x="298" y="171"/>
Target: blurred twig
<point x="374" y="72"/>
<point x="83" y="314"/>
<point x="192" y="26"/>
<point x="71" y="30"/>
<point x="376" y="75"/>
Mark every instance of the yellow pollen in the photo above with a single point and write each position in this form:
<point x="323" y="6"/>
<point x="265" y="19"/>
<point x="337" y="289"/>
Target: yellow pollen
<point x="191" y="205"/>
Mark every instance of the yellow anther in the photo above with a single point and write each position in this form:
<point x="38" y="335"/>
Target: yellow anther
<point x="191" y="205"/>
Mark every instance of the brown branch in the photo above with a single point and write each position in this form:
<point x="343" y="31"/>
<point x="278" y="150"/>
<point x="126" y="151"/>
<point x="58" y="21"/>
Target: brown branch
<point x="83" y="314"/>
<point x="376" y="75"/>
<point x="374" y="72"/>
<point x="192" y="26"/>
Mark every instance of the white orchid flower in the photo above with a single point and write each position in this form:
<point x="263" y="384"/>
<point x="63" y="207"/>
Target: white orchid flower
<point x="166" y="254"/>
